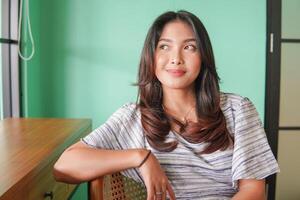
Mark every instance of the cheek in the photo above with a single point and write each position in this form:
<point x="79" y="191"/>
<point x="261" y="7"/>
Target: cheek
<point x="160" y="70"/>
<point x="194" y="63"/>
<point x="160" y="61"/>
<point x="198" y="66"/>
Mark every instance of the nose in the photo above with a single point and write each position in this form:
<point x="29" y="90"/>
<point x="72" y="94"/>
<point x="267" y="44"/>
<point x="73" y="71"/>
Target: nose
<point x="176" y="61"/>
<point x="176" y="58"/>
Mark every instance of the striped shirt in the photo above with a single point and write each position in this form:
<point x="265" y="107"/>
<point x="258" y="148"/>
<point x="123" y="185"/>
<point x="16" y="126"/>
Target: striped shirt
<point x="193" y="175"/>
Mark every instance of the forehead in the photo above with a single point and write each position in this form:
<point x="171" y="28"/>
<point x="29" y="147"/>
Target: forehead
<point x="177" y="30"/>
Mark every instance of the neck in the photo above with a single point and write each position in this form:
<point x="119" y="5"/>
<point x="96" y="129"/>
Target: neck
<point x="180" y="103"/>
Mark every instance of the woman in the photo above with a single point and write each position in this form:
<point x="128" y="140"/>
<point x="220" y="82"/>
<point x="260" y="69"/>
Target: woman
<point x="184" y="138"/>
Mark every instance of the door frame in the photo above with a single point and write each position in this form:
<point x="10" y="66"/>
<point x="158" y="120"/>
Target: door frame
<point x="273" y="60"/>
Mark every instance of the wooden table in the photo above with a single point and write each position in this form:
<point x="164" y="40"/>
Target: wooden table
<point x="28" y="151"/>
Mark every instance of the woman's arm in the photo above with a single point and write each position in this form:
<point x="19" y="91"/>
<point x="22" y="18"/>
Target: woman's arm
<point x="81" y="163"/>
<point x="250" y="189"/>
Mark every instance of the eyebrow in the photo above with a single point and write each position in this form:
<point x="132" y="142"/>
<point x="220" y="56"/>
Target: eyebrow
<point x="169" y="40"/>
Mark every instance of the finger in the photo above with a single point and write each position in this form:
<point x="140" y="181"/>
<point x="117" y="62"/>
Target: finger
<point x="159" y="196"/>
<point x="150" y="193"/>
<point x="171" y="192"/>
<point x="164" y="192"/>
<point x="158" y="192"/>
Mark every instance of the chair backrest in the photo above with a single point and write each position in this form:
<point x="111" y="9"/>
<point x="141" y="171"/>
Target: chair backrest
<point x="116" y="187"/>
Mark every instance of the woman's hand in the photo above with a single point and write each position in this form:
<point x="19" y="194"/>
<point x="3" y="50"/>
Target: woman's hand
<point x="155" y="179"/>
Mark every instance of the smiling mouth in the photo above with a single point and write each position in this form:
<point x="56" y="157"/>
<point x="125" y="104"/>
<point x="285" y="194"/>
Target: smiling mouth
<point x="176" y="72"/>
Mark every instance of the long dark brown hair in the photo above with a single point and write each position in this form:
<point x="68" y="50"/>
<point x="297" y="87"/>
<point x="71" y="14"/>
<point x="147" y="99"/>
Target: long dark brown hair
<point x="211" y="125"/>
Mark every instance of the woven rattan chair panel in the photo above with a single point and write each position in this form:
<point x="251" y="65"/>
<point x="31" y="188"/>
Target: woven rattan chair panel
<point x="119" y="187"/>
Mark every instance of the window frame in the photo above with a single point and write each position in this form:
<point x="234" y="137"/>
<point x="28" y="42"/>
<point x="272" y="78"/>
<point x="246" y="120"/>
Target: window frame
<point x="10" y="59"/>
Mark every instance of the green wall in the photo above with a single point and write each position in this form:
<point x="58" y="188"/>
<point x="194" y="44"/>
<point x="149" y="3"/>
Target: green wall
<point x="88" y="52"/>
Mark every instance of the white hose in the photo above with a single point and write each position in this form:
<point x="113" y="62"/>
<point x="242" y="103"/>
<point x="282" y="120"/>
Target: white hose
<point x="29" y="30"/>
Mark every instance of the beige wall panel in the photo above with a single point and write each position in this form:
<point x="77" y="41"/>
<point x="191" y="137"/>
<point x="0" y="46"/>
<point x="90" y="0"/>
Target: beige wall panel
<point x="290" y="19"/>
<point x="288" y="180"/>
<point x="290" y="85"/>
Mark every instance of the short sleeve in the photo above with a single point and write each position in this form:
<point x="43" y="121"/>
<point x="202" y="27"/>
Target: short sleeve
<point x="252" y="155"/>
<point x="118" y="132"/>
<point x="121" y="131"/>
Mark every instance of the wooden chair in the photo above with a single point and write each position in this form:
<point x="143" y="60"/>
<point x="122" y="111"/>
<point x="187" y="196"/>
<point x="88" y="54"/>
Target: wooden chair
<point x="116" y="187"/>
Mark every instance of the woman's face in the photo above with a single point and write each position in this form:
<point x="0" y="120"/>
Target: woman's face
<point x="177" y="58"/>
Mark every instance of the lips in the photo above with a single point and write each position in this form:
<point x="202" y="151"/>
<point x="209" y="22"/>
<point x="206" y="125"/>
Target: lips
<point x="176" y="72"/>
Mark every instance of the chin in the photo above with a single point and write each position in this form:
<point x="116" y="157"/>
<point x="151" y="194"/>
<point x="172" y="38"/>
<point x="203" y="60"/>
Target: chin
<point x="177" y="86"/>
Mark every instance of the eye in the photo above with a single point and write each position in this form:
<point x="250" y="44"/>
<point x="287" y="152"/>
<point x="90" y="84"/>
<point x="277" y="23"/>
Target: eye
<point x="163" y="47"/>
<point x="190" y="47"/>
